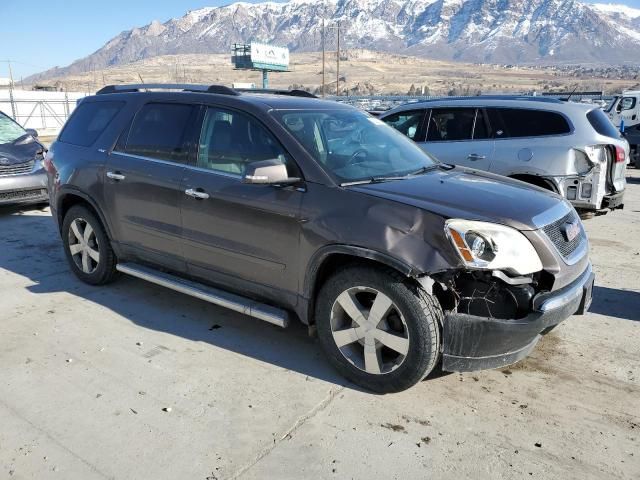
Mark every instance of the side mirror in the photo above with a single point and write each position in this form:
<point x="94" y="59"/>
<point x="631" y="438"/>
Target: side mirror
<point x="267" y="172"/>
<point x="33" y="132"/>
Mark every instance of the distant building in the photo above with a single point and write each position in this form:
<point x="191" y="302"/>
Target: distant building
<point x="5" y="82"/>
<point x="45" y="88"/>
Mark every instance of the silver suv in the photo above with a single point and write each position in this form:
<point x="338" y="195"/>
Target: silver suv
<point x="570" y="148"/>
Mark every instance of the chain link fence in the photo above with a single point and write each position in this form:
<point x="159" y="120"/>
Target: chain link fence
<point x="45" y="112"/>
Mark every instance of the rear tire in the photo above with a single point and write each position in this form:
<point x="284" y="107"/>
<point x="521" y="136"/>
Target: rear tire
<point x="87" y="247"/>
<point x="394" y="341"/>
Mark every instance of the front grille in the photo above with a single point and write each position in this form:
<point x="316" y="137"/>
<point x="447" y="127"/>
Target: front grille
<point x="17" y="169"/>
<point x="22" y="195"/>
<point x="555" y="233"/>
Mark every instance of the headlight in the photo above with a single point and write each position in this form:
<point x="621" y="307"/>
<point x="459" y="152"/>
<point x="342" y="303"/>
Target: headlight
<point x="490" y="246"/>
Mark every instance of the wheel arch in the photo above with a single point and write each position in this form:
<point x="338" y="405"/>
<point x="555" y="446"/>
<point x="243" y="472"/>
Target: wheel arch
<point x="327" y="259"/>
<point x="70" y="197"/>
<point x="536" y="180"/>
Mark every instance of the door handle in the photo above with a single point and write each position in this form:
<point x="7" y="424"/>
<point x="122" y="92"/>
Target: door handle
<point x="196" y="194"/>
<point x="115" y="176"/>
<point x="476" y="156"/>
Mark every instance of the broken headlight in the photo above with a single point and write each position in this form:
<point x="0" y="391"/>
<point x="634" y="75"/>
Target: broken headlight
<point x="490" y="246"/>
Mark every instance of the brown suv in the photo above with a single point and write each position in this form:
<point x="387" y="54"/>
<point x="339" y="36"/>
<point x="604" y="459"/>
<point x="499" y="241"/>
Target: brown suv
<point x="278" y="206"/>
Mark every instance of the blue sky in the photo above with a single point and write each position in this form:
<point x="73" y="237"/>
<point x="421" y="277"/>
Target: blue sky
<point x="40" y="34"/>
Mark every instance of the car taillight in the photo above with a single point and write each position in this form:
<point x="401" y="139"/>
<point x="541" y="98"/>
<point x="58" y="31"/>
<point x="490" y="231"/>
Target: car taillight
<point x="620" y="154"/>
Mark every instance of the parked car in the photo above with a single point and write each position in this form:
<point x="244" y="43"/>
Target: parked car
<point x="22" y="177"/>
<point x="569" y="148"/>
<point x="624" y="112"/>
<point x="279" y="206"/>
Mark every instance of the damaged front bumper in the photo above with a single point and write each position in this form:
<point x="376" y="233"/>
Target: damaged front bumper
<point x="476" y="343"/>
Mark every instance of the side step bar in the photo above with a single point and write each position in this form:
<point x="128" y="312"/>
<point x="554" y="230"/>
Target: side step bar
<point x="208" y="294"/>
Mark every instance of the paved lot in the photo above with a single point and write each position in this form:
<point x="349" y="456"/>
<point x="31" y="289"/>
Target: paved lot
<point x="85" y="374"/>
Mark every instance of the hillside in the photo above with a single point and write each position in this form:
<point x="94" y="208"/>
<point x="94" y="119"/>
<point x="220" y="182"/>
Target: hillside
<point x="362" y="72"/>
<point x="488" y="31"/>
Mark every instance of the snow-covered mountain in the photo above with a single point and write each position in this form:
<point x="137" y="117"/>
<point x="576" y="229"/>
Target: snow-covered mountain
<point x="496" y="31"/>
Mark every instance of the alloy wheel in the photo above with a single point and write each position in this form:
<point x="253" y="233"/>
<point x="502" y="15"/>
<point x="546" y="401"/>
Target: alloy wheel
<point x="369" y="330"/>
<point x="83" y="245"/>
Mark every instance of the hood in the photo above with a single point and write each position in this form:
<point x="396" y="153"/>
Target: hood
<point x="19" y="152"/>
<point x="473" y="195"/>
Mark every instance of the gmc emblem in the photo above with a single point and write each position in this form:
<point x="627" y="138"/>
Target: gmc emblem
<point x="570" y="230"/>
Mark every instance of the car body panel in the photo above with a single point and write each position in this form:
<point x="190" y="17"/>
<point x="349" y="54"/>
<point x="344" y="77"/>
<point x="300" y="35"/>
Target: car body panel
<point x="144" y="207"/>
<point x="247" y="231"/>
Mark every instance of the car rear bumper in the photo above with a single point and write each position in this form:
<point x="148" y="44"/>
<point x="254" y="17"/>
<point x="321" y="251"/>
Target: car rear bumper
<point x="28" y="188"/>
<point x="479" y="343"/>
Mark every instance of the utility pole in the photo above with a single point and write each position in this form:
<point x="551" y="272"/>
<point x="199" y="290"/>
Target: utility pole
<point x="13" y="105"/>
<point x="338" y="64"/>
<point x="323" y="58"/>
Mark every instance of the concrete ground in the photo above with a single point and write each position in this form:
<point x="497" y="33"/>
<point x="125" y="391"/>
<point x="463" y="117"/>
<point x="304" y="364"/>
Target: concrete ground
<point x="132" y="381"/>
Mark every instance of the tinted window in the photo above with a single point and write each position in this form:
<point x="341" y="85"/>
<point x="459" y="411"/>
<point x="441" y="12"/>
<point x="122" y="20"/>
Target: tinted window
<point x="230" y="140"/>
<point x="450" y="124"/>
<point x="406" y="122"/>
<point x="520" y="122"/>
<point x="480" y="130"/>
<point x="88" y="121"/>
<point x="601" y="123"/>
<point x="160" y="131"/>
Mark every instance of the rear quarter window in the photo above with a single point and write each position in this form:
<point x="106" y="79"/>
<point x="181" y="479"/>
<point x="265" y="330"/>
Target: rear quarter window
<point x="521" y="122"/>
<point x="601" y="123"/>
<point x="88" y="121"/>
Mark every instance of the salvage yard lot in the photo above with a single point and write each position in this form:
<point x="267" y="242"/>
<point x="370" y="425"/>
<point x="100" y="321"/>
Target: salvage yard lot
<point x="133" y="381"/>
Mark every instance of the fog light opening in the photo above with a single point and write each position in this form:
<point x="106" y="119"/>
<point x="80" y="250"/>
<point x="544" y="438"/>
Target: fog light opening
<point x="572" y="193"/>
<point x="585" y="191"/>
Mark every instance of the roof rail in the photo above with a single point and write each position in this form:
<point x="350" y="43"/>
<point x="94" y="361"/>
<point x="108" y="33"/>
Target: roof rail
<point x="273" y="91"/>
<point x="218" y="89"/>
<point x="136" y="87"/>
<point x="528" y="98"/>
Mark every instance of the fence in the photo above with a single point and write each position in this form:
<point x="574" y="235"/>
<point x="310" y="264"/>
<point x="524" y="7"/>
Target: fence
<point x="44" y="111"/>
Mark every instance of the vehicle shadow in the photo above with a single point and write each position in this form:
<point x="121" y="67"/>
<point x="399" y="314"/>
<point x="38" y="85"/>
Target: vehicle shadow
<point x="156" y="308"/>
<point x="634" y="180"/>
<point x="613" y="302"/>
<point x="6" y="210"/>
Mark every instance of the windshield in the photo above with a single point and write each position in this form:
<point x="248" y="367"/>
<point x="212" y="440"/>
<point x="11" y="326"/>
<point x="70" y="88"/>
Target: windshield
<point x="10" y="131"/>
<point x="354" y="146"/>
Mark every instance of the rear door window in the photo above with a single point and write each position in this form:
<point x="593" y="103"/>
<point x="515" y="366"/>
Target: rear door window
<point x="521" y="122"/>
<point x="162" y="131"/>
<point x="408" y="122"/>
<point x="88" y="121"/>
<point x="480" y="128"/>
<point x="451" y="124"/>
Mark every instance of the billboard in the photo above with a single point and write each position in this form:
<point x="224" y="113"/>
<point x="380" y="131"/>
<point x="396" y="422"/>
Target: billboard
<point x="268" y="57"/>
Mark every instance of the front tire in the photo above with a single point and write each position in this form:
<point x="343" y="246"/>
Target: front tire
<point x="378" y="329"/>
<point x="87" y="247"/>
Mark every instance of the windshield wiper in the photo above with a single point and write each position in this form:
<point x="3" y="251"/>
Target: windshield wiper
<point x="389" y="178"/>
<point x="425" y="169"/>
<point x="369" y="180"/>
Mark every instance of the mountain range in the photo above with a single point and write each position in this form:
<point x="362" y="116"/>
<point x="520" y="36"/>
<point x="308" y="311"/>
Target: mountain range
<point x="477" y="31"/>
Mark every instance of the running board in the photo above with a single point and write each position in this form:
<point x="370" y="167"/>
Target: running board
<point x="208" y="294"/>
